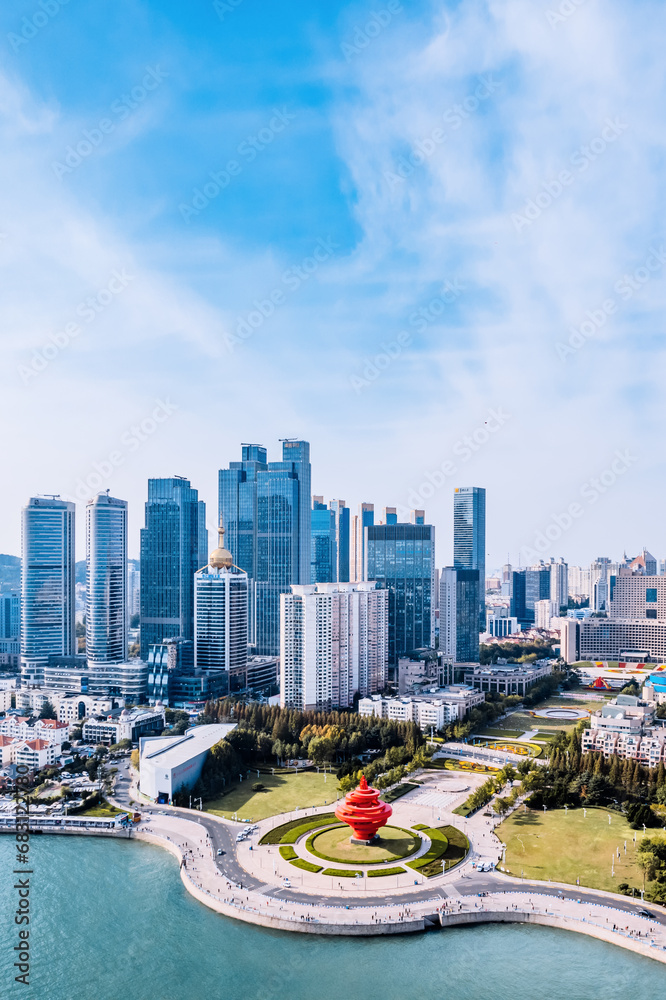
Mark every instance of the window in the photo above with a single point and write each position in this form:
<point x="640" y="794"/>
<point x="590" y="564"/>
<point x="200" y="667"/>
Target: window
<point x="651" y="597"/>
<point x="651" y="613"/>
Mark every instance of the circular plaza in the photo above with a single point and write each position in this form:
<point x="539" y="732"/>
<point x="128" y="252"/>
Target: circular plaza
<point x="562" y="714"/>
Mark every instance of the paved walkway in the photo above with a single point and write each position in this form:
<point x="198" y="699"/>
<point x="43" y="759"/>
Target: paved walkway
<point x="248" y="884"/>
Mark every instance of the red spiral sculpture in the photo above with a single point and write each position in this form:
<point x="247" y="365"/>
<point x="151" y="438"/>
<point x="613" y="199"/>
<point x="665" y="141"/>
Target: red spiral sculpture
<point x="363" y="811"/>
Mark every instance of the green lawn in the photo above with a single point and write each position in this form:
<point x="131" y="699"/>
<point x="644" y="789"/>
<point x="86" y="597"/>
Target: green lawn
<point x="104" y="809"/>
<point x="500" y="732"/>
<point x="335" y="845"/>
<point x="566" y="847"/>
<point x="282" y="793"/>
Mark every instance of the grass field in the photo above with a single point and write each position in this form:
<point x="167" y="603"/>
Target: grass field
<point x="566" y="847"/>
<point x="282" y="793"/>
<point x="102" y="809"/>
<point x="335" y="845"/>
<point x="500" y="732"/>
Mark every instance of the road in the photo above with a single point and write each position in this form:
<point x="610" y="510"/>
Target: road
<point x="470" y="883"/>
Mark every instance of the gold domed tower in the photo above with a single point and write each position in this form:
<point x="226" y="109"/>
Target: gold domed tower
<point x="221" y="558"/>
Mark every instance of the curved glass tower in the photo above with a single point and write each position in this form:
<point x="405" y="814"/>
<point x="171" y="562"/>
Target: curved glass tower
<point x="47" y="584"/>
<point x="106" y="579"/>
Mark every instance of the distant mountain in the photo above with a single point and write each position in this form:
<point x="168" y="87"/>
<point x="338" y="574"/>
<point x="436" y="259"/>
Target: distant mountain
<point x="10" y="573"/>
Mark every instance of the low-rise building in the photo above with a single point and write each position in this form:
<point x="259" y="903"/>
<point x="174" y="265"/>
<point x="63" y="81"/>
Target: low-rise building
<point x="169" y="764"/>
<point x="507" y="678"/>
<point x="124" y="725"/>
<point x="24" y="728"/>
<point x="622" y="729"/>
<point x="436" y="708"/>
<point x="36" y="754"/>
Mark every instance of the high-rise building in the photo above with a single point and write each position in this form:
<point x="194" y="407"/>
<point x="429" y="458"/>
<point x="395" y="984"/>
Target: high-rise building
<point x="170" y="556"/>
<point x="401" y="559"/>
<point x="529" y="586"/>
<point x="469" y="536"/>
<point x="220" y="617"/>
<point x="390" y="515"/>
<point x="600" y="573"/>
<point x="133" y="588"/>
<point x="334" y="644"/>
<point x="47" y="584"/>
<point x="10" y="616"/>
<point x="559" y="583"/>
<point x="106" y="579"/>
<point x="266" y="507"/>
<point x="544" y="611"/>
<point x="458" y="614"/>
<point x="342" y="545"/>
<point x="324" y="545"/>
<point x="644" y="563"/>
<point x="360" y="521"/>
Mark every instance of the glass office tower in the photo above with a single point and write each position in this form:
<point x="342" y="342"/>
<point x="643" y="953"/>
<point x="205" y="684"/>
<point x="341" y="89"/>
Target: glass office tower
<point x="170" y="556"/>
<point x="401" y="558"/>
<point x="323" y="559"/>
<point x="47" y="584"/>
<point x="469" y="537"/>
<point x="106" y="579"/>
<point x="266" y="510"/>
<point x="341" y="511"/>
<point x="458" y="614"/>
<point x="360" y="521"/>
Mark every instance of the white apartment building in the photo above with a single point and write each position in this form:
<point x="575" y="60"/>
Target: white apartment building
<point x="544" y="612"/>
<point x="36" y="754"/>
<point x="333" y="643"/>
<point x="622" y="729"/>
<point x="436" y="708"/>
<point x="499" y="623"/>
<point x="129" y="725"/>
<point x="18" y="727"/>
<point x="559" y="584"/>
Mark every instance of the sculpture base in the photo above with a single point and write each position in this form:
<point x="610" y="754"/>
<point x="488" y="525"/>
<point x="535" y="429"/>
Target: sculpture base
<point x="357" y="840"/>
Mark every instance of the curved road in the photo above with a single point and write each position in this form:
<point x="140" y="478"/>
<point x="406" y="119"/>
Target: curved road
<point x="223" y="838"/>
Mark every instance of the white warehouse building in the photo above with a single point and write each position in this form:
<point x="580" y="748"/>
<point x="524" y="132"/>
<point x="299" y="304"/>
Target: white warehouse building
<point x="169" y="764"/>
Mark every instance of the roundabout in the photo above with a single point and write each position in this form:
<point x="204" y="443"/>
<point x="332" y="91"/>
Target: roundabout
<point x="334" y="844"/>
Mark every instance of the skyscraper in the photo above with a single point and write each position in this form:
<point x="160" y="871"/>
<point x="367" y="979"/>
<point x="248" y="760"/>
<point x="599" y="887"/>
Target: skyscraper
<point x="170" y="556"/>
<point x="220" y="617"/>
<point x="559" y="583"/>
<point x="267" y="507"/>
<point x="341" y="512"/>
<point x="47" y="584"/>
<point x="334" y="643"/>
<point x="324" y="545"/>
<point x="401" y="558"/>
<point x="106" y="579"/>
<point x="360" y="521"/>
<point x="10" y="616"/>
<point x="458" y="618"/>
<point x="469" y="536"/>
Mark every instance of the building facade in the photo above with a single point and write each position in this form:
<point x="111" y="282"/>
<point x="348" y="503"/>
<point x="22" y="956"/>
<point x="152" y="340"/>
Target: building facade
<point x="106" y="579"/>
<point x="401" y="559"/>
<point x="458" y="614"/>
<point x="266" y="508"/>
<point x="334" y="644"/>
<point x="364" y="519"/>
<point x="47" y="584"/>
<point x="324" y="557"/>
<point x="469" y="536"/>
<point x="174" y="545"/>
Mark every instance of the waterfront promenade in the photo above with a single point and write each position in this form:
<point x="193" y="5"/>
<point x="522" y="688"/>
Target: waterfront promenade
<point x="249" y="884"/>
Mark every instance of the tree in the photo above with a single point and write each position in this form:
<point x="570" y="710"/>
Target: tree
<point x="501" y="806"/>
<point x="48" y="711"/>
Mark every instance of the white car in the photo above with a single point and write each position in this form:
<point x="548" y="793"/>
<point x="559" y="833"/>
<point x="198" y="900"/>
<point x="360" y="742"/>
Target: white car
<point x="286" y="883"/>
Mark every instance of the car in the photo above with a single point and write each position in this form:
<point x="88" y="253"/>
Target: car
<point x="219" y="852"/>
<point x="286" y="883"/>
<point x="643" y="913"/>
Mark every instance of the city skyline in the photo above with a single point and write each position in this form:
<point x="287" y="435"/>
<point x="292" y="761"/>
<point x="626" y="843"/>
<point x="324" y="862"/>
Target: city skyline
<point x="453" y="302"/>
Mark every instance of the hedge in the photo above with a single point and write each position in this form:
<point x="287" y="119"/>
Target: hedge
<point x="386" y="871"/>
<point x="340" y="872"/>
<point x="398" y="791"/>
<point x="436" y="851"/>
<point x="288" y="833"/>
<point x="455" y="852"/>
<point x="307" y="866"/>
<point x="288" y="853"/>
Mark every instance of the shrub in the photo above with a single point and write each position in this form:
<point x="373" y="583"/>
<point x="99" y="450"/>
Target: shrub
<point x="288" y="853"/>
<point x="377" y="873"/>
<point x="257" y="786"/>
<point x="341" y="872"/>
<point x="288" y="833"/>
<point x="307" y="866"/>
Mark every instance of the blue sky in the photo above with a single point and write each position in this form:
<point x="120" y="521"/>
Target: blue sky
<point x="388" y="228"/>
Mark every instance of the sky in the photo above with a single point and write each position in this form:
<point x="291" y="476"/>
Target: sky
<point x="426" y="237"/>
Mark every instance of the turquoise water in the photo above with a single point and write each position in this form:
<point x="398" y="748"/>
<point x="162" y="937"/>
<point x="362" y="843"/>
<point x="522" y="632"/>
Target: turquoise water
<point x="112" y="921"/>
